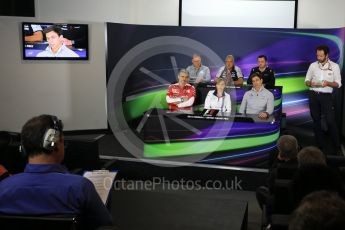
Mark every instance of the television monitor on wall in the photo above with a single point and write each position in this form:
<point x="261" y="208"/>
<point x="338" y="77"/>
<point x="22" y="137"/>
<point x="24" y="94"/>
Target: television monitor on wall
<point x="55" y="41"/>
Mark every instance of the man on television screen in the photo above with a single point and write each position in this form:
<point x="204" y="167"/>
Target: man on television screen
<point x="56" y="48"/>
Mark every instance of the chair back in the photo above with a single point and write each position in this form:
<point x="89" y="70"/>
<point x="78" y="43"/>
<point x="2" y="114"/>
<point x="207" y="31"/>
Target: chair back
<point x="56" y="222"/>
<point x="283" y="199"/>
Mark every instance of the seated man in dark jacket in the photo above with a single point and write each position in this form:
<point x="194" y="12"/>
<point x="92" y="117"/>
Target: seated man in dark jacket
<point x="45" y="187"/>
<point x="319" y="210"/>
<point x="314" y="175"/>
<point x="287" y="159"/>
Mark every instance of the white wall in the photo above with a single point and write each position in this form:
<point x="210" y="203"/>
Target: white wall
<point x="150" y="12"/>
<point x="321" y="14"/>
<point x="73" y="90"/>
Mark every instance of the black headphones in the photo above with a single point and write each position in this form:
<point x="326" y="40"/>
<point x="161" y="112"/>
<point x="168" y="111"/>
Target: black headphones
<point x="52" y="135"/>
<point x="50" y="138"/>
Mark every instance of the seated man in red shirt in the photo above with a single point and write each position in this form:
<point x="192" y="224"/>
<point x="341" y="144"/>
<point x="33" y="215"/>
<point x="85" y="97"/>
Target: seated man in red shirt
<point x="181" y="96"/>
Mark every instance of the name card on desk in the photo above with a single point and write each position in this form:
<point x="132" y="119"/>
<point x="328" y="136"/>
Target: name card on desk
<point x="209" y="117"/>
<point x="102" y="180"/>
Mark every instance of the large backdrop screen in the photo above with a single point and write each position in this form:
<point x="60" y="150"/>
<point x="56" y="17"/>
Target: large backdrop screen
<point x="143" y="60"/>
<point x="239" y="13"/>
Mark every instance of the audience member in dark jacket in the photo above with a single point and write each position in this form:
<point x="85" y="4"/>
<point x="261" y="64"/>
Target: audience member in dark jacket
<point x="287" y="159"/>
<point x="322" y="210"/>
<point x="314" y="175"/>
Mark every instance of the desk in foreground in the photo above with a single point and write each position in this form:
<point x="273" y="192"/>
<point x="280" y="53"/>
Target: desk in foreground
<point x="176" y="209"/>
<point x="233" y="139"/>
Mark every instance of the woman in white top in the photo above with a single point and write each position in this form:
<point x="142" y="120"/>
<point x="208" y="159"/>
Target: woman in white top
<point x="218" y="99"/>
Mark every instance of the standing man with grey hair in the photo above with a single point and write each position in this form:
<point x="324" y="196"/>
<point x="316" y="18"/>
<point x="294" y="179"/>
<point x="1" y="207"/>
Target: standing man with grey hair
<point x="181" y="96"/>
<point x="198" y="73"/>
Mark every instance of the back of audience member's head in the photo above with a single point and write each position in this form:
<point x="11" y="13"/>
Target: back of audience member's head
<point x="287" y="147"/>
<point x="33" y="132"/>
<point x="310" y="156"/>
<point x="321" y="210"/>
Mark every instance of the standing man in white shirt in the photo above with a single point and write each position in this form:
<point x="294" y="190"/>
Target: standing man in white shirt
<point x="197" y="71"/>
<point x="322" y="76"/>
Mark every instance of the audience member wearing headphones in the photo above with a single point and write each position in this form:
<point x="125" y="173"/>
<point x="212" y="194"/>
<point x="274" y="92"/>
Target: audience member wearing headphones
<point x="45" y="187"/>
<point x="218" y="99"/>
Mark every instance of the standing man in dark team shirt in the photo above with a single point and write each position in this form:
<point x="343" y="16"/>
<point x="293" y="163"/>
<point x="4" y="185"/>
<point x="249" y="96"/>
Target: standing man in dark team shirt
<point x="266" y="73"/>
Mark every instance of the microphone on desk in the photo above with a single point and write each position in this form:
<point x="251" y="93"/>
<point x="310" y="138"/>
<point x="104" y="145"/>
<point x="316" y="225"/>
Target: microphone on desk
<point x="273" y="121"/>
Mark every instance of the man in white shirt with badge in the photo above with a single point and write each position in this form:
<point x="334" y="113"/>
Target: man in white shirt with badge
<point x="322" y="76"/>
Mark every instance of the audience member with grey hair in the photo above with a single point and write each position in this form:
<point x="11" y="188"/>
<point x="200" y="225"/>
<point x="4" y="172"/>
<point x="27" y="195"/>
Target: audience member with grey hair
<point x="287" y="146"/>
